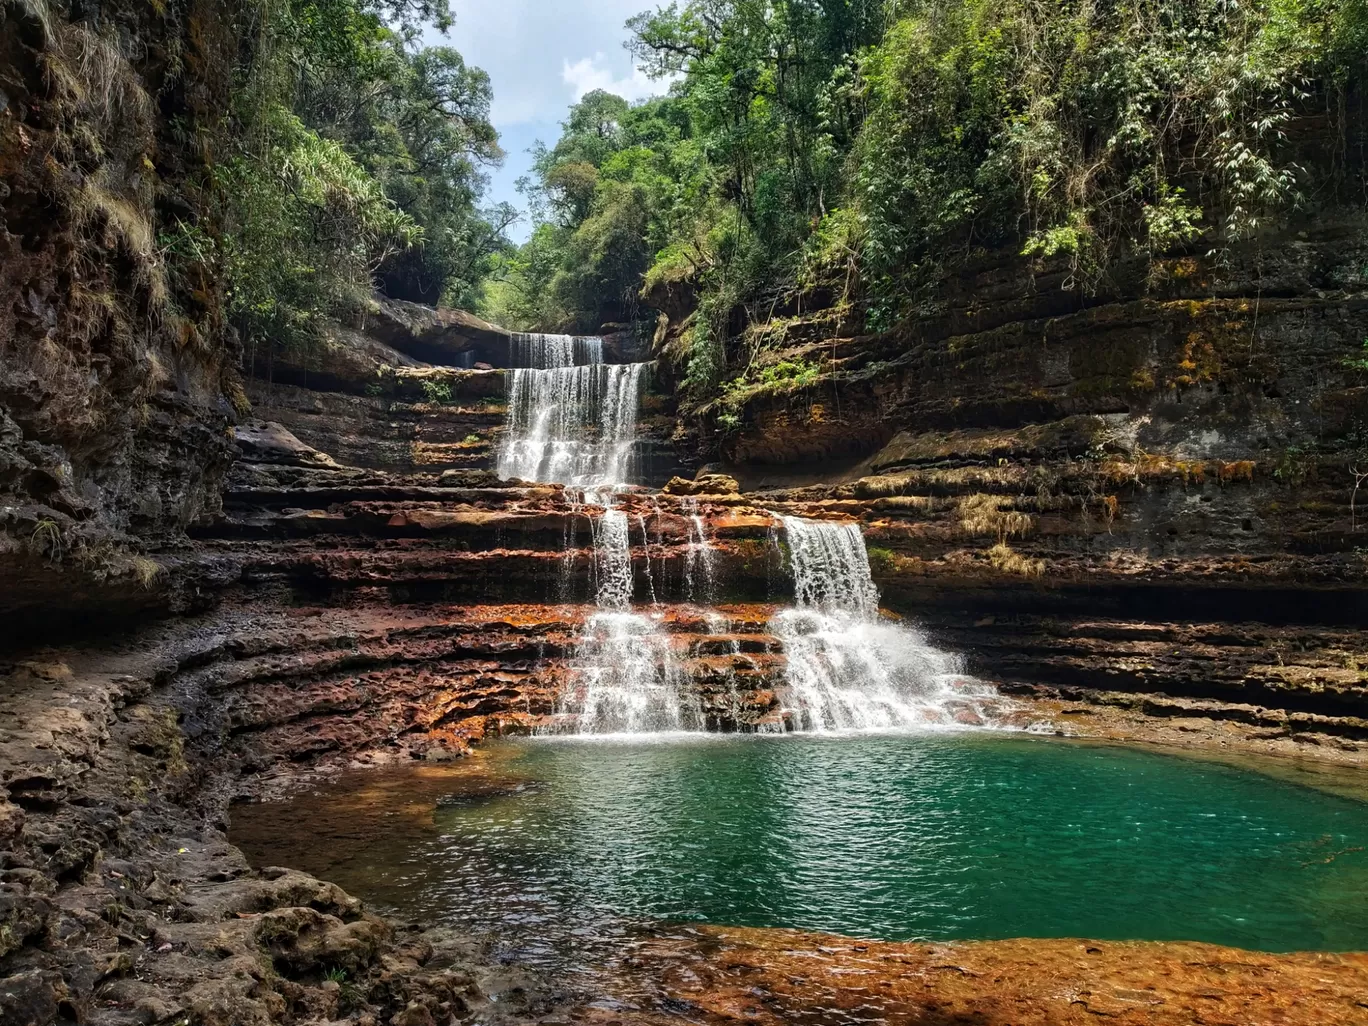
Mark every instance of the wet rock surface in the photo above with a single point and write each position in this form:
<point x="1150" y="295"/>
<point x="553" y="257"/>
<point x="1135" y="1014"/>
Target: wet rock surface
<point x="757" y="976"/>
<point x="118" y="380"/>
<point x="120" y="898"/>
<point x="1136" y="516"/>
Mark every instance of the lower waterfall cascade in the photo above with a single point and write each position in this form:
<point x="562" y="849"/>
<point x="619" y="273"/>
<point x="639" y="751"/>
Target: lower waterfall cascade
<point x="846" y="667"/>
<point x="572" y="420"/>
<point x="625" y="677"/>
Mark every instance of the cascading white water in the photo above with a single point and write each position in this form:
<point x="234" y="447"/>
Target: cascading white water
<point x="700" y="571"/>
<point x="544" y="352"/>
<point x="625" y="677"/>
<point x="571" y="417"/>
<point x="720" y="626"/>
<point x="831" y="567"/>
<point x="613" y="561"/>
<point x="846" y="668"/>
<point x="572" y="420"/>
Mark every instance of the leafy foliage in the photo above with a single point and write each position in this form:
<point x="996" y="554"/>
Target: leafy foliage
<point x="865" y="146"/>
<point x="437" y="392"/>
<point x="358" y="161"/>
<point x="1081" y="130"/>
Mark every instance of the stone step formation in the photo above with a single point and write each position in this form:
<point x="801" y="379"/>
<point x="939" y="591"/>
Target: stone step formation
<point x="649" y="611"/>
<point x="572" y="422"/>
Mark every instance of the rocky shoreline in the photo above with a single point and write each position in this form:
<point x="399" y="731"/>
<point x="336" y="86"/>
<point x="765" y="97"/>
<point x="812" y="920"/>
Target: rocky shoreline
<point x="1149" y="553"/>
<point x="123" y="900"/>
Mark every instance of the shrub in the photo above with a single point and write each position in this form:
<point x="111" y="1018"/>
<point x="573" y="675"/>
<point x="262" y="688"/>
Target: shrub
<point x="437" y="392"/>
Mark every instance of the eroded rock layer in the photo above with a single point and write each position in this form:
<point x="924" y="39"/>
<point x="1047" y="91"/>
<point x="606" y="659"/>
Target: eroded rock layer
<point x="1126" y="512"/>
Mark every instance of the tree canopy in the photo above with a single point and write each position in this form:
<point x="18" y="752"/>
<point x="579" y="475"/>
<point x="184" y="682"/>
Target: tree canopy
<point x="359" y="160"/>
<point x="863" y="146"/>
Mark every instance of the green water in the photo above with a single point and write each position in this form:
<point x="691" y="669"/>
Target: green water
<point x="891" y="837"/>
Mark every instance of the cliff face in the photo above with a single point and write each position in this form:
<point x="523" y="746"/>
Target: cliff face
<point x="1146" y="499"/>
<point x="115" y="366"/>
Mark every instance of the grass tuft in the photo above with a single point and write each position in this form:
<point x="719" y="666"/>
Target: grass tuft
<point x="1008" y="561"/>
<point x="983" y="514"/>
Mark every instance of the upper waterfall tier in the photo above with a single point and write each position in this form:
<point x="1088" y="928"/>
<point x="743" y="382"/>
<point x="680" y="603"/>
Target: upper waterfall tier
<point x="572" y="418"/>
<point x="544" y="352"/>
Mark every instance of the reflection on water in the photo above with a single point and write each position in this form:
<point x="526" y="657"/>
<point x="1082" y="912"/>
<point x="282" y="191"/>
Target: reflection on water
<point x="564" y="848"/>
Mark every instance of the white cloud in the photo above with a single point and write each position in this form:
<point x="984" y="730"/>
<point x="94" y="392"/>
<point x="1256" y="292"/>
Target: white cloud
<point x="526" y="46"/>
<point x="590" y="73"/>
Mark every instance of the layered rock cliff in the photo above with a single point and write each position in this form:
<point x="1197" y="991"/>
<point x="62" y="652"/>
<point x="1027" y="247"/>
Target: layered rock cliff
<point x="1151" y="489"/>
<point x="117" y="379"/>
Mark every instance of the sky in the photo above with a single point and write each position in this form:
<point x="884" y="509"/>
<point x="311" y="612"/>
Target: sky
<point x="542" y="56"/>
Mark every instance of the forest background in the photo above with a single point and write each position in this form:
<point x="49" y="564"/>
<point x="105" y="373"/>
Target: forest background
<point x="851" y="151"/>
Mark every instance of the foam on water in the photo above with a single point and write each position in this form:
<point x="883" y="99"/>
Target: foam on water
<point x="846" y="667"/>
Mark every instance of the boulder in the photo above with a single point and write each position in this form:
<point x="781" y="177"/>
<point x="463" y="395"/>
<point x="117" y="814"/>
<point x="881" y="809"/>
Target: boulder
<point x="32" y="997"/>
<point x="307" y="940"/>
<point x="453" y="338"/>
<point x="269" y="442"/>
<point x="704" y="484"/>
<point x="344" y="359"/>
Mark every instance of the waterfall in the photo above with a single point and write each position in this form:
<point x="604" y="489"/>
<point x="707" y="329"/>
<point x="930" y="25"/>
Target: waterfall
<point x="545" y="352"/>
<point x="613" y="561"/>
<point x="831" y="567"/>
<point x="571" y="417"/>
<point x="846" y="669"/>
<point x="700" y="571"/>
<point x="572" y="420"/>
<point x="720" y="626"/>
<point x="625" y="678"/>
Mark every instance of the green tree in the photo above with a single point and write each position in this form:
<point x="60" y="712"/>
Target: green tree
<point x="360" y="161"/>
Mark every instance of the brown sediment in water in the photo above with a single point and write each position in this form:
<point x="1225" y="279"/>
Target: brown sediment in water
<point x="325" y="825"/>
<point x="720" y="975"/>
